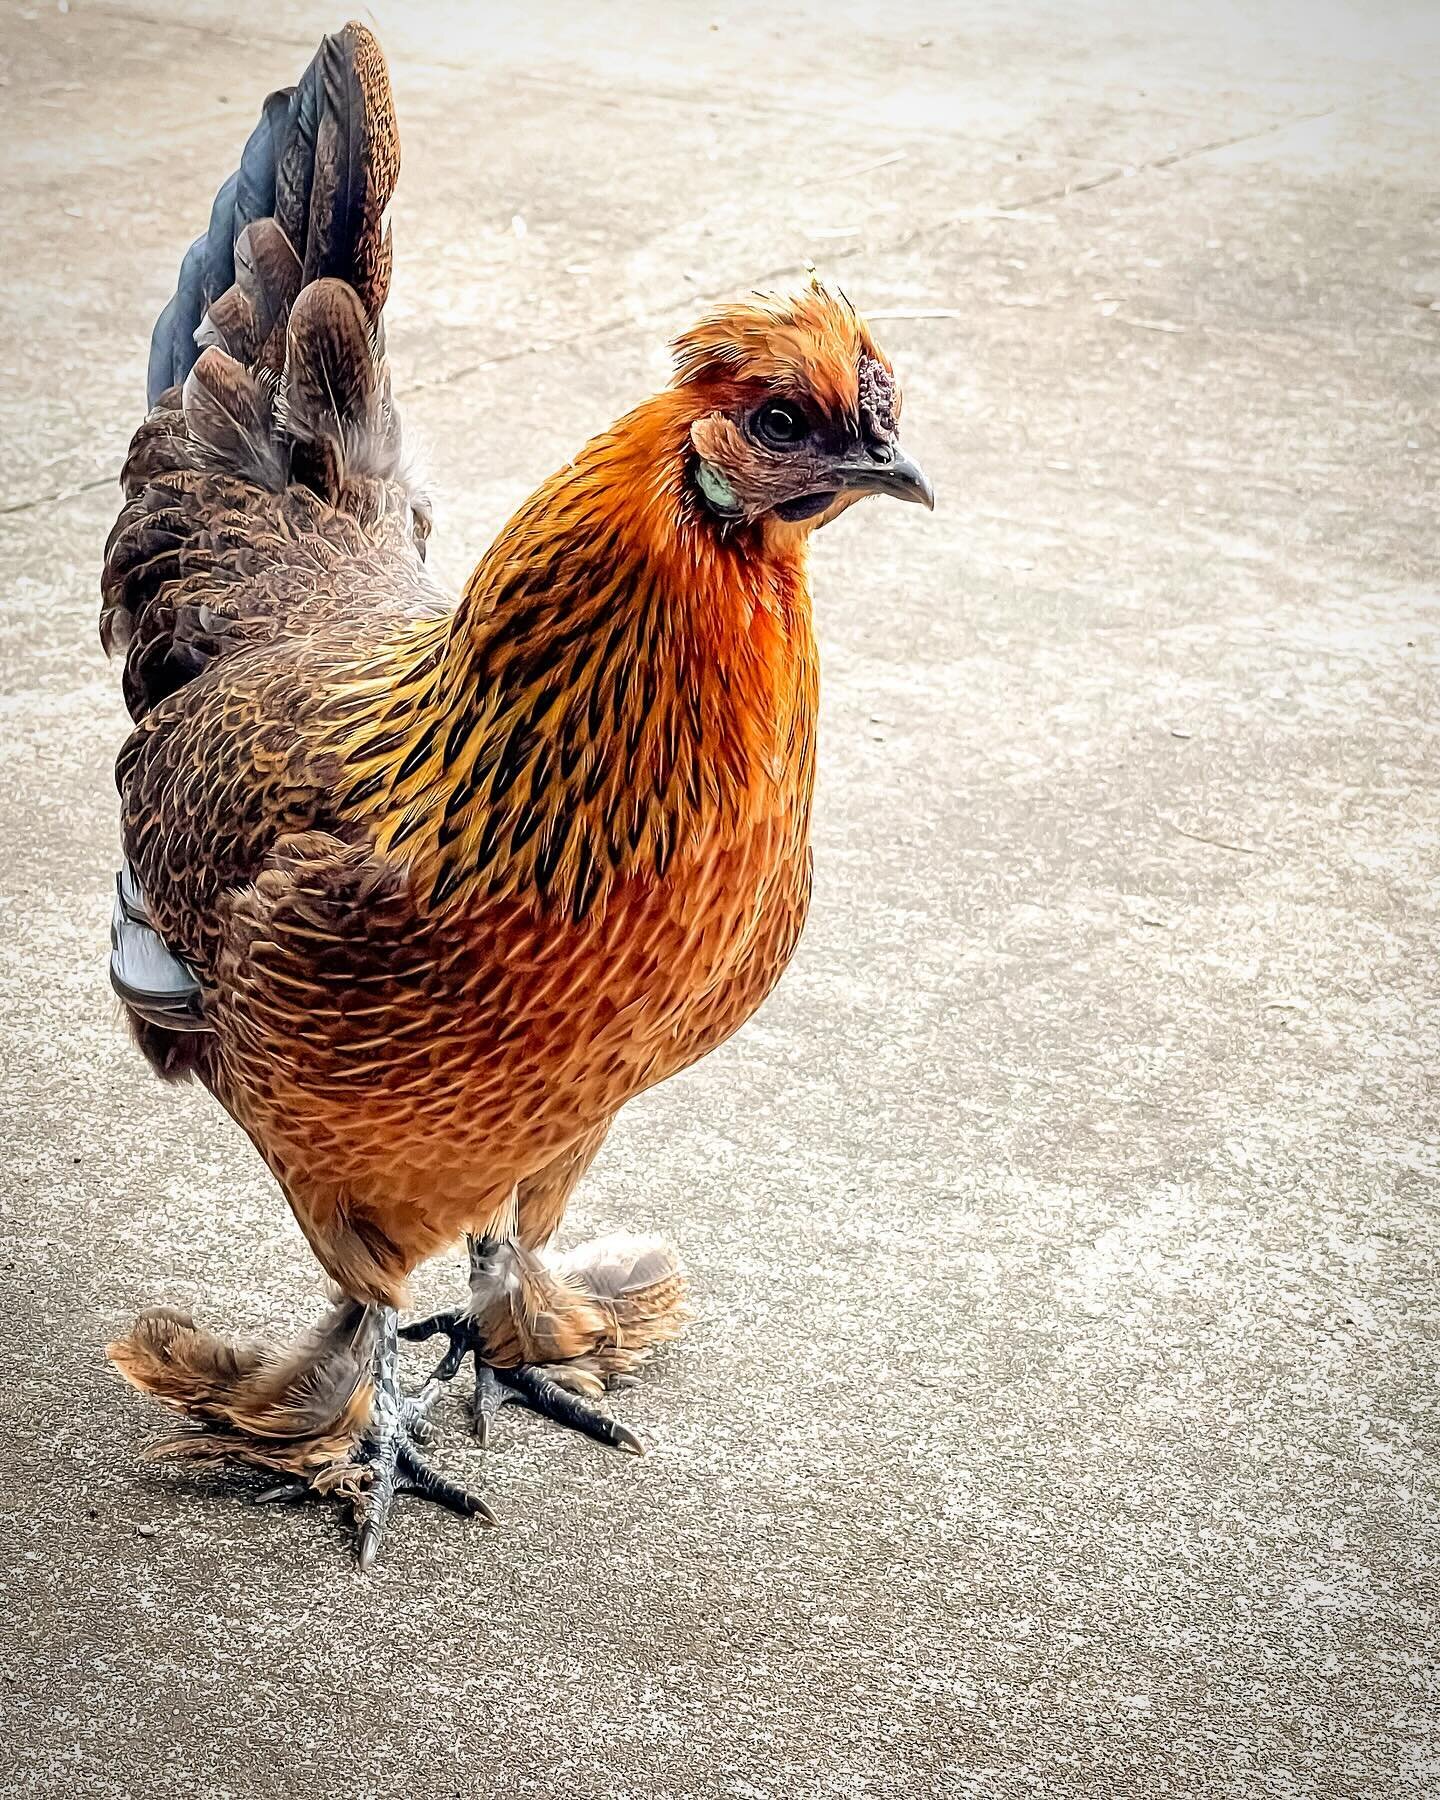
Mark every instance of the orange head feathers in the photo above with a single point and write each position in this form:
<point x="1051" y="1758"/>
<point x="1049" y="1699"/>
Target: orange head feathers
<point x="795" y="411"/>
<point x="812" y="342"/>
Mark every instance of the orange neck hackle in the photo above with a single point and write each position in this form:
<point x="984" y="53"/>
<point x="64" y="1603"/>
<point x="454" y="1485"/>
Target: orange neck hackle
<point x="626" y="515"/>
<point x="622" y="679"/>
<point x="631" y="674"/>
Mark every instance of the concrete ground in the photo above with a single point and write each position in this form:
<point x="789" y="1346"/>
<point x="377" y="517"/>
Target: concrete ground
<point x="1061" y="1416"/>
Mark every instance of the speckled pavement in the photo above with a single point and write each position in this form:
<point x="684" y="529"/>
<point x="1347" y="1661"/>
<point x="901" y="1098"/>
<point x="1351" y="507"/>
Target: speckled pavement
<point x="1061" y="1416"/>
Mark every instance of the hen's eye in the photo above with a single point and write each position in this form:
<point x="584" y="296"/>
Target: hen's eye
<point x="780" y="425"/>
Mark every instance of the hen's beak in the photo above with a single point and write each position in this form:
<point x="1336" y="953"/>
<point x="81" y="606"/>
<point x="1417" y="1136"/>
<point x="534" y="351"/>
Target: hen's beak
<point x="896" y="476"/>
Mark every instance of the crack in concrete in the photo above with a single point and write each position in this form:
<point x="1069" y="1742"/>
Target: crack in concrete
<point x="1174" y="157"/>
<point x="59" y="495"/>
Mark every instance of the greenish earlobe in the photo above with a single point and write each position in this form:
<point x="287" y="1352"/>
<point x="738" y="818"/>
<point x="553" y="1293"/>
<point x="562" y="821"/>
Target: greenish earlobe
<point x="718" y="491"/>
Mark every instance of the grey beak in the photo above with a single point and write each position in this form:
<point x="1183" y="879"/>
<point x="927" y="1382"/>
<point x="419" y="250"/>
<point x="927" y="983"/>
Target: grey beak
<point x="899" y="477"/>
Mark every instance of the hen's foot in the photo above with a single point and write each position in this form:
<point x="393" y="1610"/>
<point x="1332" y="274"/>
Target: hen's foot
<point x="526" y="1383"/>
<point x="388" y="1460"/>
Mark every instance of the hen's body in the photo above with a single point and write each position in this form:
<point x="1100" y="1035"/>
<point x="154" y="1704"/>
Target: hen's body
<point x="403" y="1063"/>
<point x="424" y="891"/>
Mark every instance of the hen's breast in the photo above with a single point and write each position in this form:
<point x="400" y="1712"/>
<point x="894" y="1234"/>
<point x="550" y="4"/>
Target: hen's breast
<point x="688" y="961"/>
<point x="462" y="1050"/>
<point x="582" y="1018"/>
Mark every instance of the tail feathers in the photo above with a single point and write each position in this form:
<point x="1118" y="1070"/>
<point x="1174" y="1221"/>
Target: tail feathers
<point x="592" y="1314"/>
<point x="230" y="412"/>
<point x="319" y="169"/>
<point x="247" y="321"/>
<point x="340" y="165"/>
<point x="298" y="1411"/>
<point x="209" y="266"/>
<point x="335" y="396"/>
<point x="271" y="418"/>
<point x="274" y="337"/>
<point x="623" y="1267"/>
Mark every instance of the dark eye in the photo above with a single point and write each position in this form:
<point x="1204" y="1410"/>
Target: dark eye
<point x="780" y="425"/>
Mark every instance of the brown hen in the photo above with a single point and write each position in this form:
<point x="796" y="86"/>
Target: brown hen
<point x="424" y="892"/>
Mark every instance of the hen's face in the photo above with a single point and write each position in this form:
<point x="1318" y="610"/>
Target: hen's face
<point x="797" y="412"/>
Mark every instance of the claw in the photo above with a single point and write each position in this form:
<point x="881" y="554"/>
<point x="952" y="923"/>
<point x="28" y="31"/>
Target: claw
<point x="284" y="1490"/>
<point x="418" y="1477"/>
<point x="368" y="1547"/>
<point x="553" y="1402"/>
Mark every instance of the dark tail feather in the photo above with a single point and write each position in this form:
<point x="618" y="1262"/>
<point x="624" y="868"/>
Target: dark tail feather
<point x="320" y="168"/>
<point x="274" y="337"/>
<point x="266" y="368"/>
<point x="208" y="267"/>
<point x="335" y="394"/>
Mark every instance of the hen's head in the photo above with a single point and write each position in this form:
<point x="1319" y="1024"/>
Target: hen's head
<point x="794" y="411"/>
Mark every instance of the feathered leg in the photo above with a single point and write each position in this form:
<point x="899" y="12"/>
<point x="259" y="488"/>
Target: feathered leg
<point x="329" y="1415"/>
<point x="556" y="1331"/>
<point x="524" y="1381"/>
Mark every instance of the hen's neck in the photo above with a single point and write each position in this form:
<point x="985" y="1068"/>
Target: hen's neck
<point x="618" y="683"/>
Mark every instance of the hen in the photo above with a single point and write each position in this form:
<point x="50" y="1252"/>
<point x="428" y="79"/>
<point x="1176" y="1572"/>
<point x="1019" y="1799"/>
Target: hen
<point x="424" y="892"/>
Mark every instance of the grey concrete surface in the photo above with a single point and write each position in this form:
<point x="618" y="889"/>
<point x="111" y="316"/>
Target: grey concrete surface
<point x="1061" y="1415"/>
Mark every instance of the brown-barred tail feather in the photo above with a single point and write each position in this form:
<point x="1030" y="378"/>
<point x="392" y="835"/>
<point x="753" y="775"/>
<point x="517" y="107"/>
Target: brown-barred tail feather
<point x="269" y="389"/>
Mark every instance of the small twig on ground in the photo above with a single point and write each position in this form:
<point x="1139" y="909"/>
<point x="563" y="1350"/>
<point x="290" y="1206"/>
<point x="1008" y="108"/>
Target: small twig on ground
<point x="912" y="312"/>
<point x="878" y="162"/>
<point x="1219" y="843"/>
